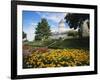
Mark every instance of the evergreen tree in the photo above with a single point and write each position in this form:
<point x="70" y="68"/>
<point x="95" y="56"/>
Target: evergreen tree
<point x="42" y="30"/>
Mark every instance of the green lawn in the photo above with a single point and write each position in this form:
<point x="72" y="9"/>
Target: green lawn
<point x="59" y="44"/>
<point x="72" y="43"/>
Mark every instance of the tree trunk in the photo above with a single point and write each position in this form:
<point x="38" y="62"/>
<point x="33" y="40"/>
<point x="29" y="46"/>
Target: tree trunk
<point x="81" y="29"/>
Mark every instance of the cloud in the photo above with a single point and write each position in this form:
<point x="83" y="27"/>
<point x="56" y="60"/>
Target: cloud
<point x="53" y="16"/>
<point x="34" y="25"/>
<point x="56" y="17"/>
<point x="30" y="31"/>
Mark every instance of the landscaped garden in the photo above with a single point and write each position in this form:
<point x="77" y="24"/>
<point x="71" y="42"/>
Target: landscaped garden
<point x="42" y="58"/>
<point x="64" y="53"/>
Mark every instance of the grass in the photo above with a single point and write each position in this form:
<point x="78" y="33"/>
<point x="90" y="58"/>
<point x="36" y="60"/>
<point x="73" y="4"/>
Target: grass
<point x="72" y="43"/>
<point x="60" y="44"/>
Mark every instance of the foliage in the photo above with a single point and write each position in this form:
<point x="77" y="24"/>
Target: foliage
<point x="75" y="20"/>
<point x="24" y="35"/>
<point x="72" y="33"/>
<point x="42" y="30"/>
<point x="57" y="58"/>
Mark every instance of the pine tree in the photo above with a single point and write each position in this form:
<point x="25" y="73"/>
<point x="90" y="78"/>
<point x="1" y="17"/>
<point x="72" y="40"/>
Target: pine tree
<point x="42" y="30"/>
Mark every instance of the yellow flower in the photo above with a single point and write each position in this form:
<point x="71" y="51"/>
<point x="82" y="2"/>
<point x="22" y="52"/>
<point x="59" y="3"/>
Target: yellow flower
<point x="55" y="57"/>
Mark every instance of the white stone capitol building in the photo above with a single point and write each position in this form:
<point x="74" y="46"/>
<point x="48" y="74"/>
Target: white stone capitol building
<point x="62" y="30"/>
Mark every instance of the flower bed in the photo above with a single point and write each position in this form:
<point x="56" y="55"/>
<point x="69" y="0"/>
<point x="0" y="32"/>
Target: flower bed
<point x="56" y="58"/>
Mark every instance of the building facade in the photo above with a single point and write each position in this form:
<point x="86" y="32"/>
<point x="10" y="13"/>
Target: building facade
<point x="63" y="31"/>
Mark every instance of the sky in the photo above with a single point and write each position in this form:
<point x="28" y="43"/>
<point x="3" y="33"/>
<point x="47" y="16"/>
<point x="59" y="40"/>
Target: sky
<point x="30" y="19"/>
